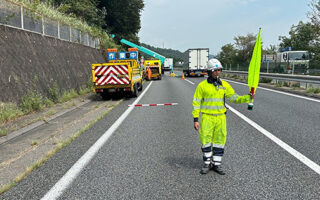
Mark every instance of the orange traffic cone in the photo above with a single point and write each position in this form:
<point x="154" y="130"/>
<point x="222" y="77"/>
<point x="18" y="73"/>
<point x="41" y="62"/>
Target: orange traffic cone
<point x="182" y="76"/>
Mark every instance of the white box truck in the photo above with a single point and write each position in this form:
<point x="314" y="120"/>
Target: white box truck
<point x="168" y="64"/>
<point x="198" y="59"/>
<point x="292" y="62"/>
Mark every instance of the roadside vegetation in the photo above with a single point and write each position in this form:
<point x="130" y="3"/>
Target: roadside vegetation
<point x="99" y="18"/>
<point x="49" y="9"/>
<point x="59" y="145"/>
<point x="33" y="101"/>
<point x="313" y="90"/>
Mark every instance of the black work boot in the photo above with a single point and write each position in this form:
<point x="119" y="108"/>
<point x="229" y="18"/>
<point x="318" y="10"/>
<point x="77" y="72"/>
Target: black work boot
<point x="218" y="169"/>
<point x="205" y="168"/>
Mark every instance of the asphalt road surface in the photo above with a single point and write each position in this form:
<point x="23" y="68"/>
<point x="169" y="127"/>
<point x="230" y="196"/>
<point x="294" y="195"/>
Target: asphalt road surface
<point x="155" y="153"/>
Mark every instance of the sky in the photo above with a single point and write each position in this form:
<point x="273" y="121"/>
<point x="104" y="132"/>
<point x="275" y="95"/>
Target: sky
<point x="184" y="24"/>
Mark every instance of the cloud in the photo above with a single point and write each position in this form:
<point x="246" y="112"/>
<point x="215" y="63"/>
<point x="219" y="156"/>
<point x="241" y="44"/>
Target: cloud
<point x="182" y="24"/>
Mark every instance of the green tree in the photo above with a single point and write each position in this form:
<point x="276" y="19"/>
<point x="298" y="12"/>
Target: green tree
<point x="314" y="14"/>
<point x="168" y="53"/>
<point x="304" y="36"/>
<point x="239" y="54"/>
<point x="85" y="10"/>
<point x="227" y="54"/>
<point x="245" y="45"/>
<point x="301" y="37"/>
<point x="123" y="18"/>
<point x="272" y="49"/>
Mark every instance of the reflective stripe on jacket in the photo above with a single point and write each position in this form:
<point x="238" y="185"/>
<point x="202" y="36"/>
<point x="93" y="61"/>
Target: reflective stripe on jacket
<point x="209" y="99"/>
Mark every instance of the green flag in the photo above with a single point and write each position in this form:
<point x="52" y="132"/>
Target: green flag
<point x="254" y="67"/>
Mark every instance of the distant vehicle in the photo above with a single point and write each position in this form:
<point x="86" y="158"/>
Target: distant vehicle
<point x="198" y="59"/>
<point x="153" y="69"/>
<point x="292" y="62"/>
<point x="168" y="64"/>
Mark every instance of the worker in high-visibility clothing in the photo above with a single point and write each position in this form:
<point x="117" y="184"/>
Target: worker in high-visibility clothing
<point x="209" y="100"/>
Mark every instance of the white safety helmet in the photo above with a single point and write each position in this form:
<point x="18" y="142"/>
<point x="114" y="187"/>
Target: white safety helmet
<point x="214" y="64"/>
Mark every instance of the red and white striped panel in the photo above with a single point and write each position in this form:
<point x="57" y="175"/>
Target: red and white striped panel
<point x="109" y="75"/>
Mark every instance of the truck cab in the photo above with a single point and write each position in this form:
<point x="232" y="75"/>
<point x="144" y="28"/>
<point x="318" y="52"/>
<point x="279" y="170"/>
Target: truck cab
<point x="292" y="62"/>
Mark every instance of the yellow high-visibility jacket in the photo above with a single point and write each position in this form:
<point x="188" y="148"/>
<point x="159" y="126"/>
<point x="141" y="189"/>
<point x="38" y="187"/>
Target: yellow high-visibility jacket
<point x="209" y="99"/>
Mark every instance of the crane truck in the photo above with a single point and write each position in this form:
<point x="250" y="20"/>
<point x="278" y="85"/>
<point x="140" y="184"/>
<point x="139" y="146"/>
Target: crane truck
<point x="144" y="50"/>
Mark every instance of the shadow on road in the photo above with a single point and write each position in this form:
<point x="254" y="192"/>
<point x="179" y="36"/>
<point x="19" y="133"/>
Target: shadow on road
<point x="112" y="97"/>
<point x="184" y="162"/>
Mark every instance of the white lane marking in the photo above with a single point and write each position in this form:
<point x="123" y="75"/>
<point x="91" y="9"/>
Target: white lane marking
<point x="74" y="171"/>
<point x="189" y="81"/>
<point x="279" y="142"/>
<point x="280" y="92"/>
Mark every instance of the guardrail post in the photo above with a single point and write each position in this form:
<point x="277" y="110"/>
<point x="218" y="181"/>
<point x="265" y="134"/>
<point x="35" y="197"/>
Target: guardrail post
<point x="21" y="11"/>
<point x="58" y="29"/>
<point x="42" y="19"/>
<point x="292" y="68"/>
<point x="70" y="33"/>
<point x="88" y="43"/>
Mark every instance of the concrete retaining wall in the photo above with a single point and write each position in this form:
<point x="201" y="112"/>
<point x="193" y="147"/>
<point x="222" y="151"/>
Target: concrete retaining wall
<point x="30" y="61"/>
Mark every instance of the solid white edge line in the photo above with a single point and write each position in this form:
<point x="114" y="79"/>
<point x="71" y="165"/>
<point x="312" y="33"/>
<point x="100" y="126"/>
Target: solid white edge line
<point x="189" y="81"/>
<point x="315" y="167"/>
<point x="73" y="172"/>
<point x="280" y="92"/>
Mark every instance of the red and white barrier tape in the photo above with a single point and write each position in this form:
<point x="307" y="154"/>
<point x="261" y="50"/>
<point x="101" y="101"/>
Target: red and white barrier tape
<point x="159" y="104"/>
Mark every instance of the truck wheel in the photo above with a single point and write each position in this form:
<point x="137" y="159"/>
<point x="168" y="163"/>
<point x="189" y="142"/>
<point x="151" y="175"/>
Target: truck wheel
<point x="135" y="90"/>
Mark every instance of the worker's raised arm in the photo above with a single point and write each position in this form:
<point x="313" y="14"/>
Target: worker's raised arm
<point x="234" y="97"/>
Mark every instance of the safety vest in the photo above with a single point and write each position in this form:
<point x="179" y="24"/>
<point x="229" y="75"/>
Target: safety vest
<point x="210" y="99"/>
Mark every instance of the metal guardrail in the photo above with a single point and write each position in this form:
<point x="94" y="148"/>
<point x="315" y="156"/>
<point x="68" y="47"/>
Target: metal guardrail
<point x="284" y="77"/>
<point x="17" y="16"/>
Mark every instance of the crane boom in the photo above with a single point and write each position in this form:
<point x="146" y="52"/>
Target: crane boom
<point x="144" y="50"/>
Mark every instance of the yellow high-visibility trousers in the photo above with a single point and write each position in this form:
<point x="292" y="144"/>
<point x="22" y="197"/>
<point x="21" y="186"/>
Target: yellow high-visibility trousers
<point x="213" y="136"/>
<point x="213" y="129"/>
